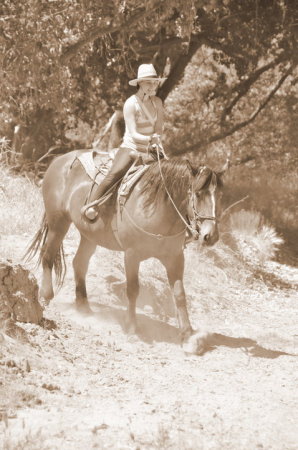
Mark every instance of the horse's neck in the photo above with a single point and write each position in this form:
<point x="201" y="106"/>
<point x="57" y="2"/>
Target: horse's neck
<point x="169" y="209"/>
<point x="177" y="203"/>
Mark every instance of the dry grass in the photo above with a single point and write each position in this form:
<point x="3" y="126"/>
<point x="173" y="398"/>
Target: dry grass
<point x="22" y="209"/>
<point x="30" y="440"/>
<point x="257" y="242"/>
<point x="273" y="192"/>
<point x="213" y="276"/>
<point x="20" y="204"/>
<point x="245" y="239"/>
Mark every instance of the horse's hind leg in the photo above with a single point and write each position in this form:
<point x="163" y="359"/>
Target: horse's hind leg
<point x="56" y="231"/>
<point x="132" y="264"/>
<point x="80" y="266"/>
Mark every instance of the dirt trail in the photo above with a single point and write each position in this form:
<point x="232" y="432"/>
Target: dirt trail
<point x="80" y="383"/>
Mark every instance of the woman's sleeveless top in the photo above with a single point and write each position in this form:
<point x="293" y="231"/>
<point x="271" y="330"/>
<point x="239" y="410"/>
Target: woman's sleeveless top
<point x="143" y="126"/>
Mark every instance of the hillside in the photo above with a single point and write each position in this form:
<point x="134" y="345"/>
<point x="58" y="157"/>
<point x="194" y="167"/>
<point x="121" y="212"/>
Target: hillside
<point x="78" y="382"/>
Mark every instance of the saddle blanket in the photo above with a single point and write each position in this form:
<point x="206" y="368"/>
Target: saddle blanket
<point x="97" y="165"/>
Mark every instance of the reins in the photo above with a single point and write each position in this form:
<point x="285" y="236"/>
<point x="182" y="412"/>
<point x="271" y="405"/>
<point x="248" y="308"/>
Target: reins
<point x="198" y="216"/>
<point x="157" y="236"/>
<point x="187" y="225"/>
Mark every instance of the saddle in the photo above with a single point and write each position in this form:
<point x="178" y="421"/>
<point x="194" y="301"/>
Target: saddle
<point x="97" y="164"/>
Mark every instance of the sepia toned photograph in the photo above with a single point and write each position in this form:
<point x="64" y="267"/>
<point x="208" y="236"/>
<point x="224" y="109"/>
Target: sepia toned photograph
<point x="149" y="225"/>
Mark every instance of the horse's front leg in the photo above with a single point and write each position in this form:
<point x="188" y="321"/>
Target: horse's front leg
<point x="80" y="266"/>
<point x="132" y="264"/>
<point x="175" y="269"/>
<point x="192" y="342"/>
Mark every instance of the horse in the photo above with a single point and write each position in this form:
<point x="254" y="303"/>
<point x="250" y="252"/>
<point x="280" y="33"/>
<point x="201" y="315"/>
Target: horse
<point x="172" y="200"/>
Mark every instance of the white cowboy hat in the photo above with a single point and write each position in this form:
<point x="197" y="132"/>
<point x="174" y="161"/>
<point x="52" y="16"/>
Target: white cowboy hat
<point x="146" y="72"/>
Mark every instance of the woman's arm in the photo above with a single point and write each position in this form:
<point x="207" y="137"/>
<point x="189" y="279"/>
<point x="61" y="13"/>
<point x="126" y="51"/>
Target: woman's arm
<point x="160" y="116"/>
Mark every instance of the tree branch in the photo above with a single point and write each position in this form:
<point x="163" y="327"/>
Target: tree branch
<point x="243" y="87"/>
<point x="232" y="206"/>
<point x="251" y="118"/>
<point x="96" y="32"/>
<point x="177" y="70"/>
<point x="228" y="50"/>
<point x="151" y="48"/>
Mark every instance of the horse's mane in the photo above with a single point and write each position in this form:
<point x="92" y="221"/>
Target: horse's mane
<point x="176" y="177"/>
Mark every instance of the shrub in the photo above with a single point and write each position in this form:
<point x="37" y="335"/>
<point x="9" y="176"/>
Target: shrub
<point x="256" y="241"/>
<point x="20" y="204"/>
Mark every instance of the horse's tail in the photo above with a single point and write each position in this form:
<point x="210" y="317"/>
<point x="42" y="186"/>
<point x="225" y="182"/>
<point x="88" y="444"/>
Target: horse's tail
<point x="38" y="243"/>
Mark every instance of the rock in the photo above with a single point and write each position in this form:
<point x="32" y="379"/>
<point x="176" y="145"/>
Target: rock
<point x="10" y="328"/>
<point x="18" y="294"/>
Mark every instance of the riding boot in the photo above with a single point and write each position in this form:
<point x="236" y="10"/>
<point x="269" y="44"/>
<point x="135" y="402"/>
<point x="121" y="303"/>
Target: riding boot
<point x="90" y="210"/>
<point x="121" y="164"/>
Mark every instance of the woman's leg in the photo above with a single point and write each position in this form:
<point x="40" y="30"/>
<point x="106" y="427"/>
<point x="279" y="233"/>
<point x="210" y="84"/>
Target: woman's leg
<point x="122" y="162"/>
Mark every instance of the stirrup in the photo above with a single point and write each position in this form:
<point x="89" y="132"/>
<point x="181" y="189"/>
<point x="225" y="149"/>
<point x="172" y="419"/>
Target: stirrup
<point x="91" y="213"/>
<point x="93" y="206"/>
<point x="86" y="210"/>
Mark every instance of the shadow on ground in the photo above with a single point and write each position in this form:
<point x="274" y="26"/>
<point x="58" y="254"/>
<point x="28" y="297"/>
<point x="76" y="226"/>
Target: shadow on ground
<point x="150" y="330"/>
<point x="249" y="346"/>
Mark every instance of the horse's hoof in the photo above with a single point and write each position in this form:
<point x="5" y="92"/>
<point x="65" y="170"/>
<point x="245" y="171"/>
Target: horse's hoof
<point x="84" y="308"/>
<point x="45" y="296"/>
<point x="44" y="302"/>
<point x="196" y="344"/>
<point x="132" y="338"/>
<point x="131" y="329"/>
<point x="130" y="325"/>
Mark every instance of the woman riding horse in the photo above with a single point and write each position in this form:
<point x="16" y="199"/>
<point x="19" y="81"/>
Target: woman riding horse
<point x="170" y="198"/>
<point x="143" y="116"/>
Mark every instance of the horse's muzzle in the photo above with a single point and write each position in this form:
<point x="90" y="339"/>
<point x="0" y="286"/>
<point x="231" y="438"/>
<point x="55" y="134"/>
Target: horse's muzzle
<point x="209" y="232"/>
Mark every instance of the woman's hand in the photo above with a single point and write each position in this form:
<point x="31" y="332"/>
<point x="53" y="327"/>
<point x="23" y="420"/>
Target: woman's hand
<point x="155" y="153"/>
<point x="155" y="139"/>
<point x="147" y="158"/>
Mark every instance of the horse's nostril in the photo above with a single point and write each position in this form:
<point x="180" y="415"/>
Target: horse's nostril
<point x="206" y="237"/>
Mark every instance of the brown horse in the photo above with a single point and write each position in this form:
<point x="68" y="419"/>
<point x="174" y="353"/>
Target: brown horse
<point x="171" y="198"/>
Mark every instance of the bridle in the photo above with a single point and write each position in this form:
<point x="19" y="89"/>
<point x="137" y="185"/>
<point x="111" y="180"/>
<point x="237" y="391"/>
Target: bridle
<point x="191" y="223"/>
<point x="198" y="217"/>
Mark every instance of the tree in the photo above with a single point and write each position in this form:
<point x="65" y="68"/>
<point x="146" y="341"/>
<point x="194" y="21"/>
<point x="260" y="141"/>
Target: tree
<point x="213" y="103"/>
<point x="70" y="60"/>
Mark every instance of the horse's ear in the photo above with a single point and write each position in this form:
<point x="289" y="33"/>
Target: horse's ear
<point x="193" y="170"/>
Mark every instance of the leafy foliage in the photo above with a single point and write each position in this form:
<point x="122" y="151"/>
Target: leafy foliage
<point x="204" y="109"/>
<point x="71" y="59"/>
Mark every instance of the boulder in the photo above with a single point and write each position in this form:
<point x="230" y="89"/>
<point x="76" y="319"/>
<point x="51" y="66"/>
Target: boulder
<point x="18" y="294"/>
